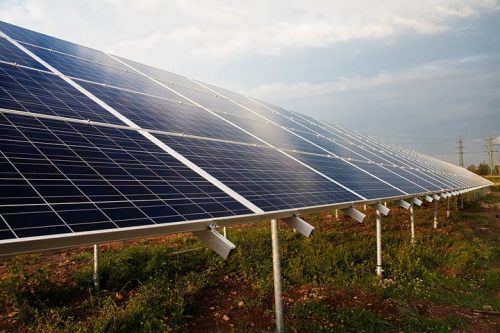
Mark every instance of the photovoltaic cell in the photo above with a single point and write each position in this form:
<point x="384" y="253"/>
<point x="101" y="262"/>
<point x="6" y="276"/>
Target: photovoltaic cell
<point x="269" y="180"/>
<point x="329" y="146"/>
<point x="38" y="92"/>
<point x="36" y="38"/>
<point x="341" y="172"/>
<point x="263" y="109"/>
<point x="160" y="114"/>
<point x="387" y="174"/>
<point x="375" y="155"/>
<point x="354" y="179"/>
<point x="54" y="169"/>
<point x="163" y="113"/>
<point x="10" y="53"/>
<point x="359" y="156"/>
<point x="116" y="75"/>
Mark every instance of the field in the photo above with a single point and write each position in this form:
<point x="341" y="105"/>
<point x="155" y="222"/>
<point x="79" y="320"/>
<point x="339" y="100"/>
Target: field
<point x="448" y="281"/>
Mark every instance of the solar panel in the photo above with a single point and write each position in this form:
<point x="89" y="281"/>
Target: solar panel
<point x="271" y="181"/>
<point x="43" y="93"/>
<point x="114" y="176"/>
<point x="378" y="153"/>
<point x="165" y="115"/>
<point x="11" y="54"/>
<point x="95" y="147"/>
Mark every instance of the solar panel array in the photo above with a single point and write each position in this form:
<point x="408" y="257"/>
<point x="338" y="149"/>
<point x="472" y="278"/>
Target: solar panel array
<point x="91" y="143"/>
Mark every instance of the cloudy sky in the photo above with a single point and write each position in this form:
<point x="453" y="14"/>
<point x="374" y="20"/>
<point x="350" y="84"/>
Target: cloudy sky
<point x="417" y="73"/>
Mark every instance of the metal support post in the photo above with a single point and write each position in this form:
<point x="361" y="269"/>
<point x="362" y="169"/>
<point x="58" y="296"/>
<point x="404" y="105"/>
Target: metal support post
<point x="379" y="210"/>
<point x="435" y="214"/>
<point x="278" y="298"/>
<point x="224" y="231"/>
<point x="412" y="224"/>
<point x="448" y="207"/>
<point x="364" y="208"/>
<point x="379" y="243"/>
<point x="97" y="283"/>
<point x="336" y="214"/>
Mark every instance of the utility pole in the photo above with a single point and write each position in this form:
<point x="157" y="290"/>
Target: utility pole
<point x="490" y="150"/>
<point x="460" y="151"/>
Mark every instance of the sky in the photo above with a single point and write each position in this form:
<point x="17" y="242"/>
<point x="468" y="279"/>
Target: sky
<point x="416" y="73"/>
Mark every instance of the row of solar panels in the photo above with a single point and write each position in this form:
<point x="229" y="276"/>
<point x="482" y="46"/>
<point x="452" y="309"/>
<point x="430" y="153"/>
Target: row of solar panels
<point x="92" y="143"/>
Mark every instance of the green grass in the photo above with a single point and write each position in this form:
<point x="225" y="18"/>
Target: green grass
<point x="150" y="288"/>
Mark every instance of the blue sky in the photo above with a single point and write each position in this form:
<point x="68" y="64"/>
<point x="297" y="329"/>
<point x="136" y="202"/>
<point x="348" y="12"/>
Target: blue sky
<point x="417" y="73"/>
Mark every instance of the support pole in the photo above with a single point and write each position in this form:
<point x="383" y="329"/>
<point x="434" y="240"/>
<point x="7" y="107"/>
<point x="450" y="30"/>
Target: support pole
<point x="336" y="214"/>
<point x="448" y="207"/>
<point x="412" y="224"/>
<point x="224" y="231"/>
<point x="435" y="214"/>
<point x="379" y="243"/>
<point x="97" y="283"/>
<point x="278" y="298"/>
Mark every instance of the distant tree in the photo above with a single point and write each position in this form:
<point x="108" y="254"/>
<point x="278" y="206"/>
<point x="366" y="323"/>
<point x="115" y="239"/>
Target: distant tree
<point x="472" y="168"/>
<point x="483" y="169"/>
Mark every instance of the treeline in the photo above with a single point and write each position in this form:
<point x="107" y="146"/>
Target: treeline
<point x="482" y="169"/>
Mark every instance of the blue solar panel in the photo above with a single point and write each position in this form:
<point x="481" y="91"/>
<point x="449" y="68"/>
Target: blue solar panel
<point x="36" y="38"/>
<point x="10" y="53"/>
<point x="373" y="153"/>
<point x="342" y="172"/>
<point x="389" y="175"/>
<point x="353" y="178"/>
<point x="159" y="114"/>
<point x="102" y="72"/>
<point x="53" y="169"/>
<point x="269" y="180"/>
<point x="65" y="176"/>
<point x="341" y="147"/>
<point x="100" y="68"/>
<point x="33" y="91"/>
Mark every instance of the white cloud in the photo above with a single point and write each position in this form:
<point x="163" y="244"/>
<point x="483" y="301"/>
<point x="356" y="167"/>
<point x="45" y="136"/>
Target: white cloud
<point x="234" y="28"/>
<point x="434" y="70"/>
